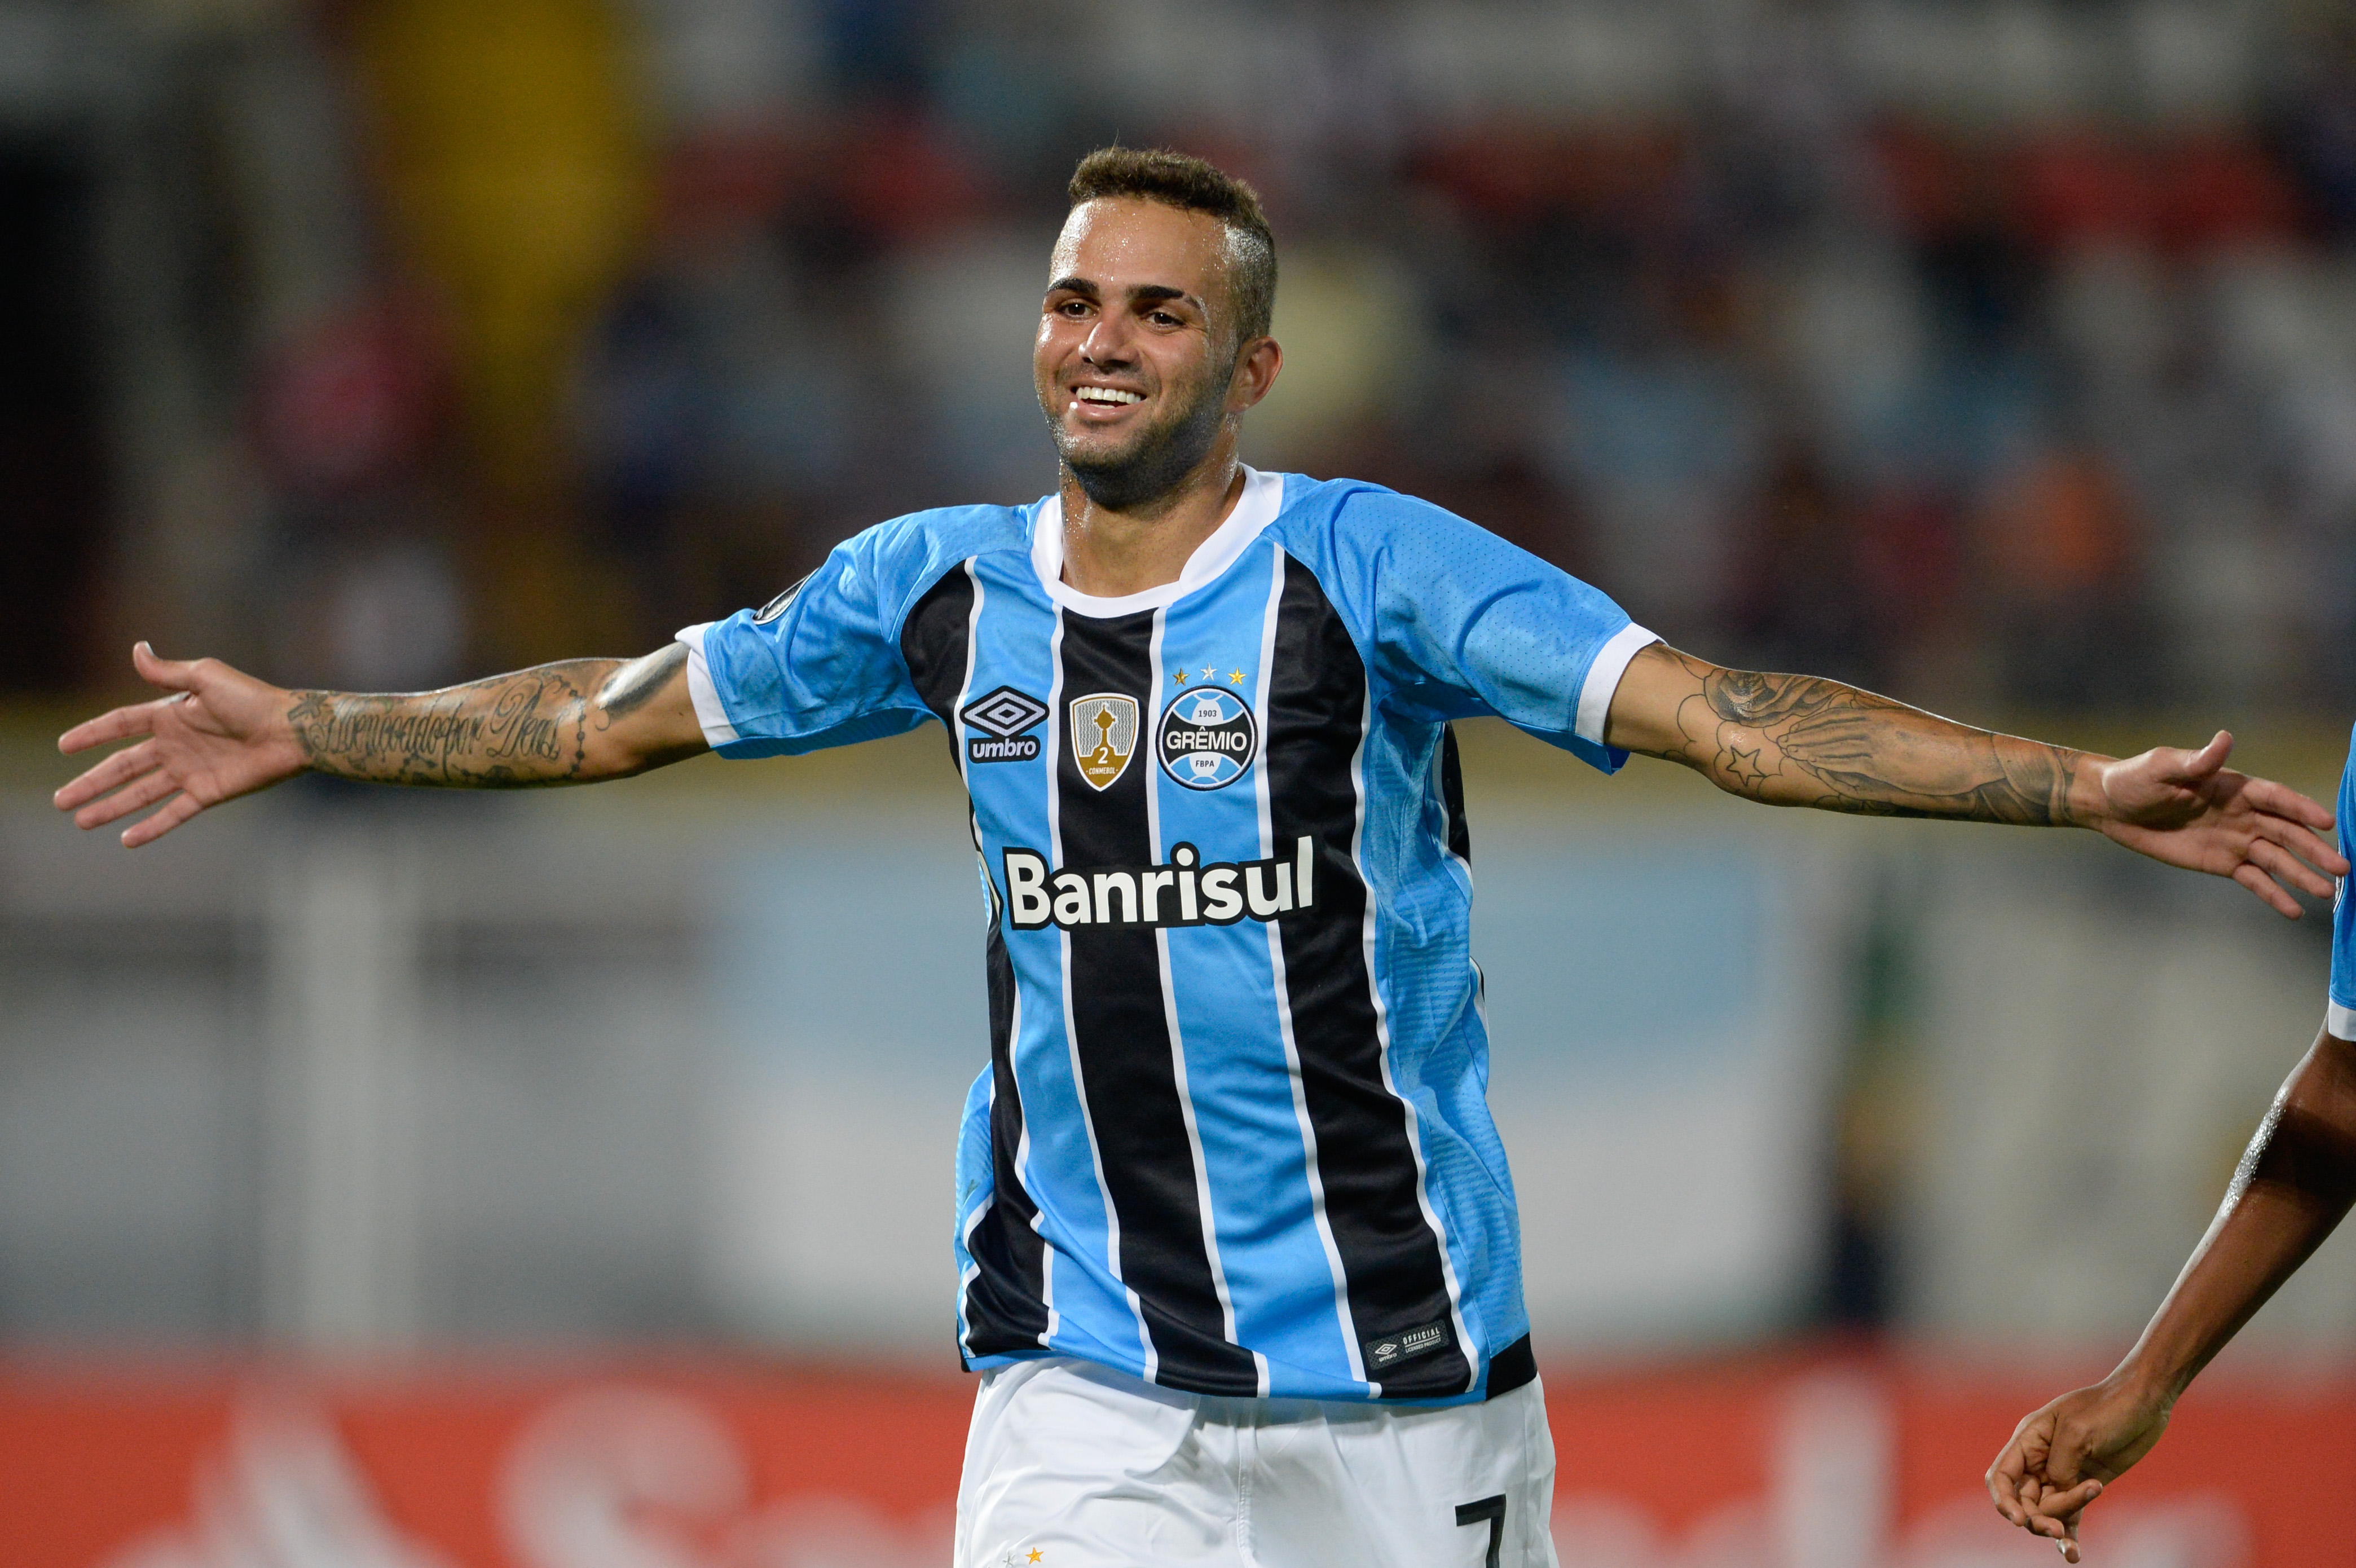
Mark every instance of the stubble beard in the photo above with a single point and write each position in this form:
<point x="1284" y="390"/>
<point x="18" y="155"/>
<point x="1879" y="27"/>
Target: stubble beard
<point x="1155" y="461"/>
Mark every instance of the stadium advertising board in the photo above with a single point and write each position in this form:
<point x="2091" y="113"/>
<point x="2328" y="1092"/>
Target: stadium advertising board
<point x="1825" y="1462"/>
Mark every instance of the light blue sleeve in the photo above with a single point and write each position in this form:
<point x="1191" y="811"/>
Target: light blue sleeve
<point x="817" y="666"/>
<point x="1466" y="624"/>
<point x="2341" y="1013"/>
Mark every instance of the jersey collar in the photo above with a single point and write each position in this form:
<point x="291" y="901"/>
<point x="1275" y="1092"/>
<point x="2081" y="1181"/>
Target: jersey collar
<point x="1262" y="498"/>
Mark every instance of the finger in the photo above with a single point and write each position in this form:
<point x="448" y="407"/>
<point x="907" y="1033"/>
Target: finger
<point x="2282" y="800"/>
<point x="173" y="674"/>
<point x="2062" y="1508"/>
<point x="136" y="796"/>
<point x="2173" y="765"/>
<point x="123" y="766"/>
<point x="2005" y="1479"/>
<point x="177" y="809"/>
<point x="2303" y="842"/>
<point x="2281" y="864"/>
<point x="139" y="718"/>
<point x="2259" y="882"/>
<point x="2205" y="762"/>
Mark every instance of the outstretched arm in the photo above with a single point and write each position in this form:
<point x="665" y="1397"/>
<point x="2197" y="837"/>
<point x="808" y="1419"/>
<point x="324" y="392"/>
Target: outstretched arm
<point x="2294" y="1182"/>
<point x="1797" y="740"/>
<point x="223" y="733"/>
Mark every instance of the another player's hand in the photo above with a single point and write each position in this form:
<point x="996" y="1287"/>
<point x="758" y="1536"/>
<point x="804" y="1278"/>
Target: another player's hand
<point x="2188" y="809"/>
<point x="2060" y="1458"/>
<point x="220" y="734"/>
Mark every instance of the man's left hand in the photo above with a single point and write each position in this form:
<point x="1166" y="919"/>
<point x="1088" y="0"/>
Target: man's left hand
<point x="2188" y="808"/>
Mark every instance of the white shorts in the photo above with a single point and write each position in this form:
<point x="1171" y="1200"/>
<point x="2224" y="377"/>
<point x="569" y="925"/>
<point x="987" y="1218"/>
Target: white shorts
<point x="1071" y="1464"/>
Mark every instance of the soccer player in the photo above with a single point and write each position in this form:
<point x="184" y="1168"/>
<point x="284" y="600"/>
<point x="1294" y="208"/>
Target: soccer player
<point x="2294" y="1182"/>
<point x="1237" y="1247"/>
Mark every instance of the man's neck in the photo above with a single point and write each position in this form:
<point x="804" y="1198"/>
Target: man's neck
<point x="1111" y="554"/>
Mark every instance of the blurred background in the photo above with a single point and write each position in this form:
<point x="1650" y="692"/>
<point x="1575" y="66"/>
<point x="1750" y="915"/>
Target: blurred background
<point x="1998" y="354"/>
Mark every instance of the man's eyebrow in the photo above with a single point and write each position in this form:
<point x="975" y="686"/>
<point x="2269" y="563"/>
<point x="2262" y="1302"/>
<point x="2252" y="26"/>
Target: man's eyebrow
<point x="1143" y="294"/>
<point x="1149" y="290"/>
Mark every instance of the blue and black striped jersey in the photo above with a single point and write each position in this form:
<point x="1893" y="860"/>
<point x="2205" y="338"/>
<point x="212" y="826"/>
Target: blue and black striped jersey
<point x="1232" y="1138"/>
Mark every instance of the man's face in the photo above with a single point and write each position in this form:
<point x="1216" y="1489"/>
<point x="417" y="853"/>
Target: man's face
<point x="1133" y="368"/>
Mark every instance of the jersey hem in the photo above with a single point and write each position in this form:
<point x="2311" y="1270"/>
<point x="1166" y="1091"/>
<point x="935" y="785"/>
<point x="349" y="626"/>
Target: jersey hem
<point x="2340" y="1019"/>
<point x="1503" y="1371"/>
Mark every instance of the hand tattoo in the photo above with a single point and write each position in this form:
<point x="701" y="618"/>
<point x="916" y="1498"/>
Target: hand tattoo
<point x="1797" y="740"/>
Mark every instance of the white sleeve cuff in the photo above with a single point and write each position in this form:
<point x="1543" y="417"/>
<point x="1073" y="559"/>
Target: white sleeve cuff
<point x="1603" y="680"/>
<point x="2340" y="1021"/>
<point x="717" y="730"/>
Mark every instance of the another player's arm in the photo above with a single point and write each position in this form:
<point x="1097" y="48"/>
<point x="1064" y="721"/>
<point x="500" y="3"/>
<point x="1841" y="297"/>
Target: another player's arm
<point x="1798" y="740"/>
<point x="223" y="733"/>
<point x="2294" y="1184"/>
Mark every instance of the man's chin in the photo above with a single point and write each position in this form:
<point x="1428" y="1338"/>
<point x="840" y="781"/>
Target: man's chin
<point x="1134" y="476"/>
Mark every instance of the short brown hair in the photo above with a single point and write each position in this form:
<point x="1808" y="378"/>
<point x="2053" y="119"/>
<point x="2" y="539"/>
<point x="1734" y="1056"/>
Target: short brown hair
<point x="1180" y="180"/>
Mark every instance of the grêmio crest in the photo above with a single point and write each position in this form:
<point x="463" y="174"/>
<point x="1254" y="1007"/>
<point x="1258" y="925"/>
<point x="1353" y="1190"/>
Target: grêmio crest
<point x="1207" y="738"/>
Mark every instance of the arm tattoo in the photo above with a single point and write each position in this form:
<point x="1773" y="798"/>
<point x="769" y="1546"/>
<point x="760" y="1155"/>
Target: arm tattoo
<point x="509" y="732"/>
<point x="1796" y="740"/>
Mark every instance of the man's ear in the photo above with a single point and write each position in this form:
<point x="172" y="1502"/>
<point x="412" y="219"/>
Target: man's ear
<point x="1256" y="370"/>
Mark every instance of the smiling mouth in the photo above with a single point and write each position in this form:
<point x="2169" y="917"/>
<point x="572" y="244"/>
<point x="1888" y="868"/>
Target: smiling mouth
<point x="1106" y="397"/>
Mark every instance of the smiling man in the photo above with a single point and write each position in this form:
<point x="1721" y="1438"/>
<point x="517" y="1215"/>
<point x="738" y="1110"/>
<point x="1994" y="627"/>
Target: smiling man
<point x="1237" y="1248"/>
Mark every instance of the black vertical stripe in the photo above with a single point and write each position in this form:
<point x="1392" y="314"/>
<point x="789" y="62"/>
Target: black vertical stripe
<point x="1451" y="795"/>
<point x="1006" y="1304"/>
<point x="1122" y="1035"/>
<point x="935" y="643"/>
<point x="1390" y="1258"/>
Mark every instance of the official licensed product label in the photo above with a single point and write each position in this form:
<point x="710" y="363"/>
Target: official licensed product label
<point x="1390" y="1349"/>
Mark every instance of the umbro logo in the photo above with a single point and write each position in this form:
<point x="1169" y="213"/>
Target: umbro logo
<point x="1004" y="715"/>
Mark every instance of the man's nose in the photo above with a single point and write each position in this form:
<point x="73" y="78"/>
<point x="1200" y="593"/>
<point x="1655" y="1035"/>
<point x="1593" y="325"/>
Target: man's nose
<point x="1108" y="341"/>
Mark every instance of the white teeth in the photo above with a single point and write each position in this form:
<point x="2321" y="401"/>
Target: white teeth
<point x="1107" y="395"/>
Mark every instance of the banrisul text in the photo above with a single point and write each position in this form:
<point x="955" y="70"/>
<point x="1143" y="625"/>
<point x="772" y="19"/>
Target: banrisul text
<point x="1182" y="893"/>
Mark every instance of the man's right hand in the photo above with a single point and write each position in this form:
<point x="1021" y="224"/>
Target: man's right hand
<point x="2062" y="1456"/>
<point x="220" y="735"/>
<point x="223" y="733"/>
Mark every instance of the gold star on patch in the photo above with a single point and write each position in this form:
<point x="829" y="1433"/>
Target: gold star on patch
<point x="1236" y="679"/>
<point x="1179" y="676"/>
<point x="1036" y="1554"/>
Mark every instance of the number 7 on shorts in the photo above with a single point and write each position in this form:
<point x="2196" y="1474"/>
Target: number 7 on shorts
<point x="1494" y="1510"/>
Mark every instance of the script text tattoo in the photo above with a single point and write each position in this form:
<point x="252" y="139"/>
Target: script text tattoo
<point x="518" y="730"/>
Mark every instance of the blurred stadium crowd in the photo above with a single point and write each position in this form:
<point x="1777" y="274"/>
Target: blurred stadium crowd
<point x="1996" y="354"/>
